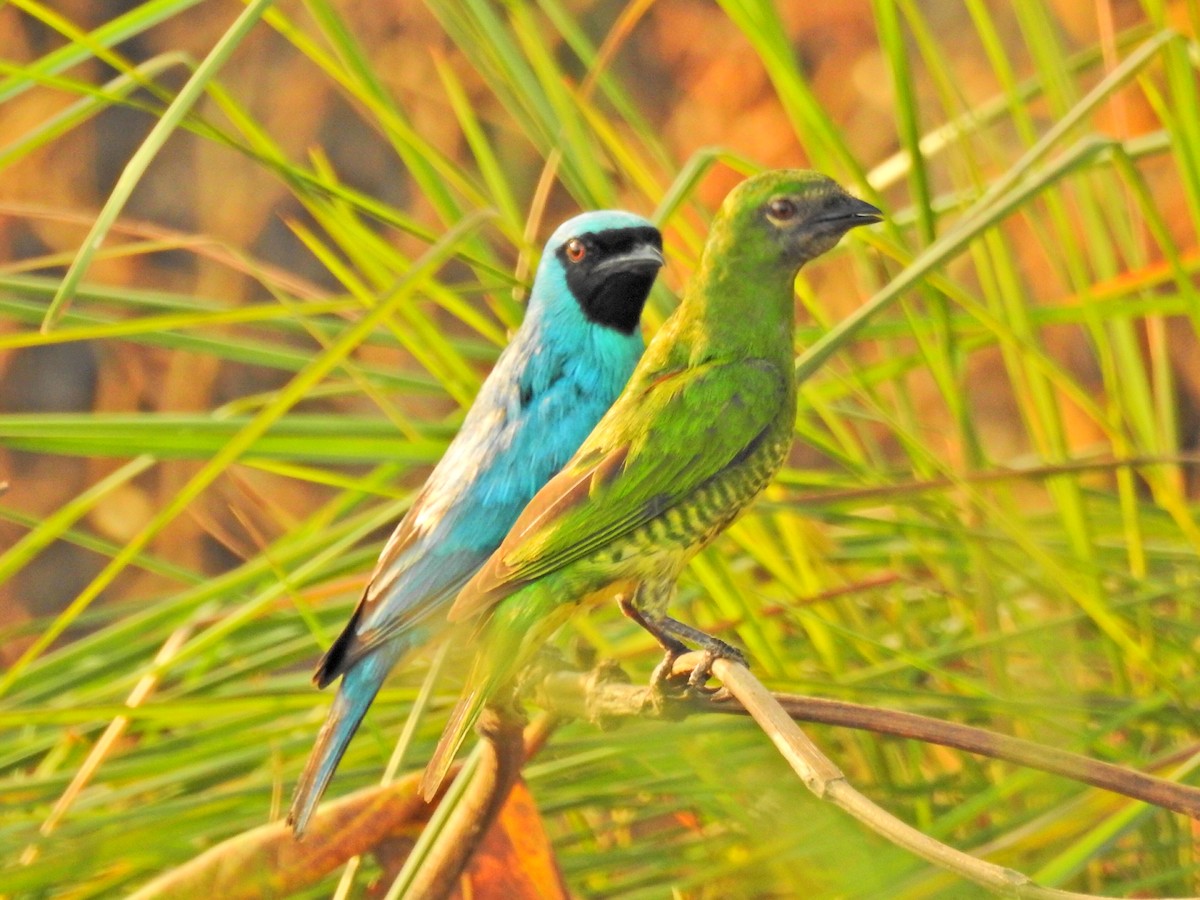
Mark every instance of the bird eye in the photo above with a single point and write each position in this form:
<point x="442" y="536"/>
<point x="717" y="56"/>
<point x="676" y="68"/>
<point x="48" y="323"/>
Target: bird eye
<point x="781" y="209"/>
<point x="576" y="250"/>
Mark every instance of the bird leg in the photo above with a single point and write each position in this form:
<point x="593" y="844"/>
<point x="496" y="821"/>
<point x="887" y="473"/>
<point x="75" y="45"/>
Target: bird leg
<point x="648" y="608"/>
<point x="662" y="681"/>
<point x="674" y="648"/>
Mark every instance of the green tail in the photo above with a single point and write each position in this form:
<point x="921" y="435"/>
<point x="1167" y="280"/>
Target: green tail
<point x="465" y="715"/>
<point x="510" y="638"/>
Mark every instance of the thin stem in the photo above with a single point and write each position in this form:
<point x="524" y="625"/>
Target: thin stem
<point x="499" y="767"/>
<point x="828" y="782"/>
<point x="606" y="699"/>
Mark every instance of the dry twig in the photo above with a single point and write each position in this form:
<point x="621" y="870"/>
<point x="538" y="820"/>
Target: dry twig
<point x="828" y="782"/>
<point x="605" y="699"/>
<point x="604" y="695"/>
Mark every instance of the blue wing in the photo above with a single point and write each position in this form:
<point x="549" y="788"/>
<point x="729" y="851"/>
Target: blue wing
<point x="533" y="413"/>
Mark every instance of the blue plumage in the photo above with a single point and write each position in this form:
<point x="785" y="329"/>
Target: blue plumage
<point x="564" y="367"/>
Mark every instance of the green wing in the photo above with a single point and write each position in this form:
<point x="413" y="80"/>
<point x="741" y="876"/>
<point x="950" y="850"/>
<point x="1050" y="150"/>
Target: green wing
<point x="651" y="452"/>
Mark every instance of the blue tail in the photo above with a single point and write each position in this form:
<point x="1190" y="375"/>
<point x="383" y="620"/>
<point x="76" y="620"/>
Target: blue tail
<point x="359" y="686"/>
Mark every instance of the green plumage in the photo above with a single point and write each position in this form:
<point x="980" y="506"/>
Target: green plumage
<point x="701" y="428"/>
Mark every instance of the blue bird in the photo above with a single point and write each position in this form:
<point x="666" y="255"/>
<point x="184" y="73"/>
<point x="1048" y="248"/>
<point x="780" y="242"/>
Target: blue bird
<point x="564" y="367"/>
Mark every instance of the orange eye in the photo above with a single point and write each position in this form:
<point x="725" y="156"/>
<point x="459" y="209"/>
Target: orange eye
<point x="576" y="250"/>
<point x="781" y="209"/>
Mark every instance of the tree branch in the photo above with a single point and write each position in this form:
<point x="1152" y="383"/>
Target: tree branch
<point x="826" y="780"/>
<point x="606" y="696"/>
<point x="1180" y="798"/>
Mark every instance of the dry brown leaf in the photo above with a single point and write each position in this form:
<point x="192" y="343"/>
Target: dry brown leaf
<point x="516" y="860"/>
<point x="269" y="862"/>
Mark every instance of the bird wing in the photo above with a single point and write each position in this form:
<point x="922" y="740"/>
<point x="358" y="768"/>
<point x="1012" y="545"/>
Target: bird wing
<point x="403" y="590"/>
<point x="453" y="524"/>
<point x="650" y="453"/>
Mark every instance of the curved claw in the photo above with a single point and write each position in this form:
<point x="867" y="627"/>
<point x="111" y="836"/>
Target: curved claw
<point x="664" y="675"/>
<point x="665" y="685"/>
<point x="713" y="650"/>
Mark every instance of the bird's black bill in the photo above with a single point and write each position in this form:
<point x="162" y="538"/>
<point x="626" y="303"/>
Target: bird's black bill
<point x="641" y="259"/>
<point x="851" y="213"/>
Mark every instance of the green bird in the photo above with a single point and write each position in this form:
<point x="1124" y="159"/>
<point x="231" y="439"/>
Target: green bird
<point x="701" y="428"/>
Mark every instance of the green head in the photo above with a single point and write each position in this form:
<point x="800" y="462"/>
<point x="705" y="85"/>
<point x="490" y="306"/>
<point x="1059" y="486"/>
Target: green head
<point x="792" y="215"/>
<point x="741" y="301"/>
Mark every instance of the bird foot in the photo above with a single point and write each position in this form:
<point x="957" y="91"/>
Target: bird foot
<point x="713" y="650"/>
<point x="671" y="694"/>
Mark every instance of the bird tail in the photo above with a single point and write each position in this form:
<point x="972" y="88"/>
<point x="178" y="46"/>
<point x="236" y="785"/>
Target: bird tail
<point x="465" y="715"/>
<point x="497" y="663"/>
<point x="359" y="686"/>
<point x="509" y="640"/>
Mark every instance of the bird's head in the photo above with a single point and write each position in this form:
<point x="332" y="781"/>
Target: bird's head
<point x="799" y="214"/>
<point x="608" y="261"/>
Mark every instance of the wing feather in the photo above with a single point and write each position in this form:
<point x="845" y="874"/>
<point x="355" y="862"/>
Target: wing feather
<point x="652" y="451"/>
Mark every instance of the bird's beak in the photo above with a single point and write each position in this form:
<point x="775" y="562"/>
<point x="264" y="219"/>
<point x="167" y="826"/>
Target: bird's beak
<point x="645" y="259"/>
<point x="852" y="213"/>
